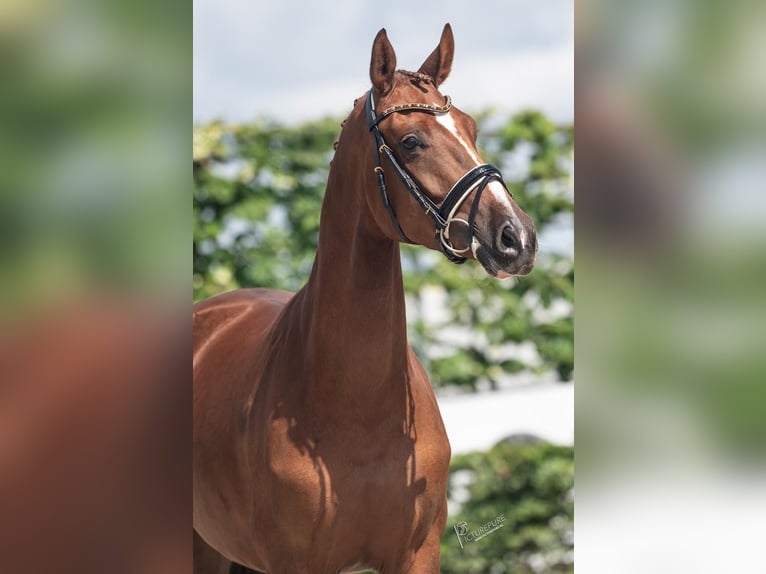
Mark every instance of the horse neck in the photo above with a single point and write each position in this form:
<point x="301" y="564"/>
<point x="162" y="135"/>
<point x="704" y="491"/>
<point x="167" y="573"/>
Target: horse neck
<point x="355" y="297"/>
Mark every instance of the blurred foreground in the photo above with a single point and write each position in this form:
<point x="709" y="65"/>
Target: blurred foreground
<point x="95" y="400"/>
<point x="671" y="309"/>
<point x="95" y="412"/>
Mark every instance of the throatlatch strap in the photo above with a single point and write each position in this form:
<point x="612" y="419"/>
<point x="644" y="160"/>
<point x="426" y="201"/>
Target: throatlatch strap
<point x="379" y="144"/>
<point x="388" y="206"/>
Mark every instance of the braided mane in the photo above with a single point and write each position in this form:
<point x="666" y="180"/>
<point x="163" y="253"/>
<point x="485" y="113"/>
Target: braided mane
<point x="336" y="143"/>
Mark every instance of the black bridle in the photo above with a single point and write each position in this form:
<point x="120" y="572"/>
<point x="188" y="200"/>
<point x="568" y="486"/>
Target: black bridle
<point x="442" y="215"/>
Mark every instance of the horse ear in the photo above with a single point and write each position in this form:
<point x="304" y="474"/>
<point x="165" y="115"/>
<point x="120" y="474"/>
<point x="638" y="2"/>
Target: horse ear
<point x="382" y="64"/>
<point x="439" y="63"/>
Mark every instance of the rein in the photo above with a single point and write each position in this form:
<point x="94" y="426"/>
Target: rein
<point x="442" y="215"/>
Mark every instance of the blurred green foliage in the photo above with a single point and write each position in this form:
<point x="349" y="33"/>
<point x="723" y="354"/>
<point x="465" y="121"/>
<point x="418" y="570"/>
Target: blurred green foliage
<point x="90" y="92"/>
<point x="531" y="486"/>
<point x="258" y="190"/>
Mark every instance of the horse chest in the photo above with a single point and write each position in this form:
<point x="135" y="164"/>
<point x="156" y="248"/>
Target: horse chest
<point x="382" y="485"/>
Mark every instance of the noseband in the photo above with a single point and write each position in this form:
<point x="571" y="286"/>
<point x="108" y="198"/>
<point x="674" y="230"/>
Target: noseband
<point x="444" y="215"/>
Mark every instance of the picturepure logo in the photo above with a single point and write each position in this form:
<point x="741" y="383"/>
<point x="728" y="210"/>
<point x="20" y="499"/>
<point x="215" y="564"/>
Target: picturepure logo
<point x="465" y="534"/>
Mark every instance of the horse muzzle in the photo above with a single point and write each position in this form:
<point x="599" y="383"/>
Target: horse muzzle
<point x="507" y="246"/>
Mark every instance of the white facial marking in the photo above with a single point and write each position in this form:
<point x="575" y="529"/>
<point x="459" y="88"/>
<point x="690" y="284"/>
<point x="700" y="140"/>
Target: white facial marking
<point x="448" y="122"/>
<point x="495" y="187"/>
<point x="475" y="245"/>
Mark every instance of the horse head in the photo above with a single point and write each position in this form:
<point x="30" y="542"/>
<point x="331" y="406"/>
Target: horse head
<point x="433" y="188"/>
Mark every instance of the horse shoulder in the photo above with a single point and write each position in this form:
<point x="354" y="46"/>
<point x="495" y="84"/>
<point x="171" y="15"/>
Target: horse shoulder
<point x="427" y="410"/>
<point x="421" y="382"/>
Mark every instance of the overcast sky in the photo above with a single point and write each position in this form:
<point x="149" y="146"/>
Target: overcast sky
<point x="295" y="60"/>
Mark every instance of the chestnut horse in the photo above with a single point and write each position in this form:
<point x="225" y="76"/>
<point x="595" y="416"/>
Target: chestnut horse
<point x="318" y="443"/>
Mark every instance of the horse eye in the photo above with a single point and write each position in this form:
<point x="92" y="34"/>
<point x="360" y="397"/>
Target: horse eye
<point x="410" y="142"/>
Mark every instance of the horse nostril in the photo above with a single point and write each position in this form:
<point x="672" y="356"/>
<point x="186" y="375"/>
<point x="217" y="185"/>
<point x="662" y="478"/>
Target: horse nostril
<point x="507" y="238"/>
